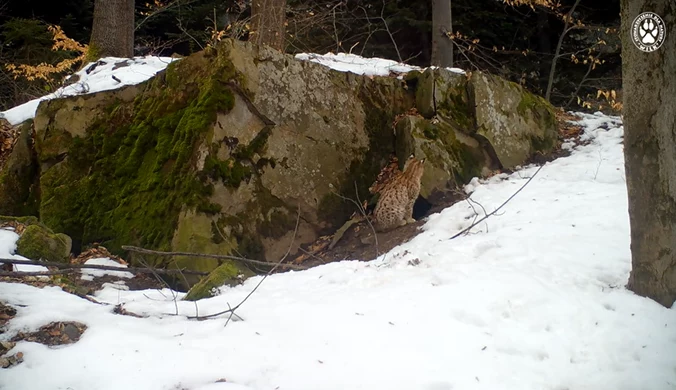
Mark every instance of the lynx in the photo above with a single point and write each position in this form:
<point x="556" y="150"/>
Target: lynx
<point x="395" y="205"/>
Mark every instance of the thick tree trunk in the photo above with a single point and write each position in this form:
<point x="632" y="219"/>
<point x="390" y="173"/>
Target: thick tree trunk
<point x="112" y="30"/>
<point x="442" y="46"/>
<point x="649" y="87"/>
<point x="268" y="18"/>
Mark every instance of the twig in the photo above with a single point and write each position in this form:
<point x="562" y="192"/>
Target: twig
<point x="162" y="281"/>
<point x="20" y="274"/>
<point x="387" y="28"/>
<point x="208" y="255"/>
<point x="133" y="270"/>
<point x="362" y="211"/>
<point x="499" y="207"/>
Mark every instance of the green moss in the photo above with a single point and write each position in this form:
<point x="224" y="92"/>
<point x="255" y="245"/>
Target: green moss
<point x="230" y="171"/>
<point x="467" y="161"/>
<point x="542" y="112"/>
<point x="455" y="107"/>
<point x="128" y="179"/>
<point x="257" y="145"/>
<point x="40" y="243"/>
<point x="225" y="274"/>
<point x="430" y="131"/>
<point x="528" y="102"/>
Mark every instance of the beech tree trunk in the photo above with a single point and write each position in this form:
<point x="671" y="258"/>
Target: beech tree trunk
<point x="112" y="30"/>
<point x="649" y="88"/>
<point x="268" y="19"/>
<point x="442" y="46"/>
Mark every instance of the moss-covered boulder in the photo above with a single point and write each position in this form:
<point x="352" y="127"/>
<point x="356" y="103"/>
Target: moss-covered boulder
<point x="515" y="122"/>
<point x="224" y="275"/>
<point x="222" y="150"/>
<point x="18" y="177"/>
<point x="38" y="242"/>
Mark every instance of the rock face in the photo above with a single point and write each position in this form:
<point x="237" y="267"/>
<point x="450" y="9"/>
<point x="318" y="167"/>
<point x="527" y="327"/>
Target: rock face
<point x="222" y="151"/>
<point x="18" y="177"/>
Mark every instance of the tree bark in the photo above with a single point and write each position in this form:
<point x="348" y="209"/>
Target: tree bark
<point x="112" y="30"/>
<point x="268" y="19"/>
<point x="442" y="46"/>
<point x="649" y="85"/>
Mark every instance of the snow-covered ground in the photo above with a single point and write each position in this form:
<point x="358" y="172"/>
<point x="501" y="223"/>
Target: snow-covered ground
<point x="125" y="71"/>
<point x="533" y="298"/>
<point x="91" y="274"/>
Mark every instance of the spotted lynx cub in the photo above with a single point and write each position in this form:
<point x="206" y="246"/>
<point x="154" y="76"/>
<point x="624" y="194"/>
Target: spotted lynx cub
<point x="395" y="205"/>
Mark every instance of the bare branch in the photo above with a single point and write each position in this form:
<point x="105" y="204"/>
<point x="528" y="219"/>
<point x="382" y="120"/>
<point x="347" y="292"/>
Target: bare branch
<point x="133" y="270"/>
<point x="207" y="255"/>
<point x="463" y="231"/>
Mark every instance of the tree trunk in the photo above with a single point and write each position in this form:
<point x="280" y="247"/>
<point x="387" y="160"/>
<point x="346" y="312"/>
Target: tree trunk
<point x="442" y="46"/>
<point x="268" y="19"/>
<point x="649" y="85"/>
<point x="112" y="30"/>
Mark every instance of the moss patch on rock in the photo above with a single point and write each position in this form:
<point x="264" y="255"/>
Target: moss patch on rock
<point x="40" y="243"/>
<point x="225" y="274"/>
<point x="127" y="180"/>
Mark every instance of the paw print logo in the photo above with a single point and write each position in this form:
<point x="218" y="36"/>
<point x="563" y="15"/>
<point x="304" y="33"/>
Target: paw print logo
<point x="648" y="31"/>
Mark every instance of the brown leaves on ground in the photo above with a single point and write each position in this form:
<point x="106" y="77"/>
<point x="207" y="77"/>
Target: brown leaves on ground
<point x="16" y="226"/>
<point x="95" y="252"/>
<point x="55" y="333"/>
<point x="568" y="130"/>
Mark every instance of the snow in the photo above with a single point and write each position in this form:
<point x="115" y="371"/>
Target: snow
<point x="353" y="63"/>
<point x="90" y="274"/>
<point x="127" y="71"/>
<point x="7" y="249"/>
<point x="534" y="298"/>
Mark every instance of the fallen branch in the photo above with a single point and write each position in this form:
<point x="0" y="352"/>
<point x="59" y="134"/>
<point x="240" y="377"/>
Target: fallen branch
<point x="63" y="266"/>
<point x="20" y="274"/>
<point x="463" y="231"/>
<point x="209" y="255"/>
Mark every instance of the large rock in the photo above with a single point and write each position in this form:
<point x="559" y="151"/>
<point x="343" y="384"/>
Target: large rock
<point x="219" y="153"/>
<point x="516" y="123"/>
<point x="511" y="123"/>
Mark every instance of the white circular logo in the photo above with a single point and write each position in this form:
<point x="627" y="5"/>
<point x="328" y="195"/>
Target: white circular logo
<point x="648" y="31"/>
